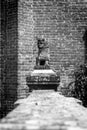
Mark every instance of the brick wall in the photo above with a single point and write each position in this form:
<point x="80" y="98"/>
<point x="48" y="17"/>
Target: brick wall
<point x="62" y="23"/>
<point x="9" y="59"/>
<point x="25" y="43"/>
<point x="2" y="43"/>
<point x="11" y="48"/>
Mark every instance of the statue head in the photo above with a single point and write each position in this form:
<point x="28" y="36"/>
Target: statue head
<point x="41" y="43"/>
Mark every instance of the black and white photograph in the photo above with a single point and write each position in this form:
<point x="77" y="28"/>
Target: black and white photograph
<point x="43" y="64"/>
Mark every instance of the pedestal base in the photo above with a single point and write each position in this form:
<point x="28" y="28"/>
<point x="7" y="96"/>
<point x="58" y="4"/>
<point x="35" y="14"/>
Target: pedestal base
<point x="43" y="79"/>
<point x="42" y="87"/>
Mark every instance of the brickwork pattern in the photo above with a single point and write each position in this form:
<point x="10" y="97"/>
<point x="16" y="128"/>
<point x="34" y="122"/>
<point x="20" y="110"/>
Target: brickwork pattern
<point x="11" y="47"/>
<point x="62" y="23"/>
<point x="44" y="110"/>
<point x="25" y="43"/>
<point x="8" y="54"/>
<point x="2" y="42"/>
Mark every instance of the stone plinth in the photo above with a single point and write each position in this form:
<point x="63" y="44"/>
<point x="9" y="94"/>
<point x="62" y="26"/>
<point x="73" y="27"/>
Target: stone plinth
<point x="42" y="79"/>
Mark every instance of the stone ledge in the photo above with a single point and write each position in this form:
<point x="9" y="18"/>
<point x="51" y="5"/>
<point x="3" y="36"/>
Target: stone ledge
<point x="46" y="110"/>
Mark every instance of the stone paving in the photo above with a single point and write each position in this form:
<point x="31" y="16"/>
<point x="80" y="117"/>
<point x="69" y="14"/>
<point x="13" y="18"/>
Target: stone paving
<point x="45" y="110"/>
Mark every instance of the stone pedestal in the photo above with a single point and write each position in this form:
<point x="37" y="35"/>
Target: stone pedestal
<point x="43" y="79"/>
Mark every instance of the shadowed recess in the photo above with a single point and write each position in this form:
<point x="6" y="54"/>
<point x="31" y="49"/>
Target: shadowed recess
<point x="9" y="54"/>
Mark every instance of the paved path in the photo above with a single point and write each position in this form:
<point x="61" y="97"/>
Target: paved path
<point x="45" y="110"/>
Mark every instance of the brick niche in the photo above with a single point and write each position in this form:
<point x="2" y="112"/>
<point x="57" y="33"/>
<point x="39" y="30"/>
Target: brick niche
<point x="62" y="23"/>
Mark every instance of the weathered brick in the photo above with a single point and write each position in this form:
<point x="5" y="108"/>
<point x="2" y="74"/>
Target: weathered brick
<point x="25" y="42"/>
<point x="62" y="23"/>
<point x="8" y="45"/>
